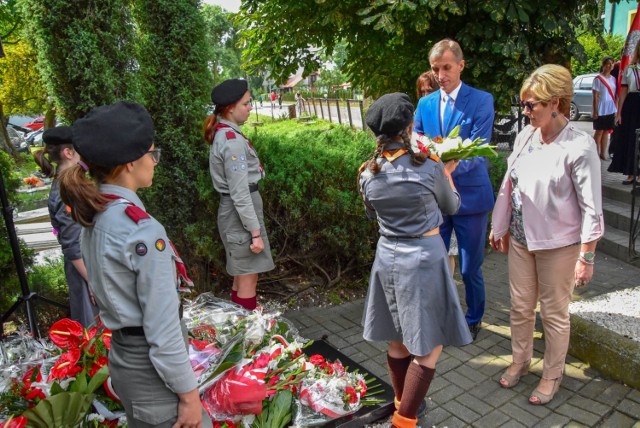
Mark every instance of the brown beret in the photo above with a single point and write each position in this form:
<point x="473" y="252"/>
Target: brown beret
<point x="390" y="114"/>
<point x="228" y="92"/>
<point x="114" y="134"/>
<point x="57" y="136"/>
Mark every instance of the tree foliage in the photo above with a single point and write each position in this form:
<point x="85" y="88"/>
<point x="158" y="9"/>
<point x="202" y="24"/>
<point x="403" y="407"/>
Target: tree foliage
<point x="175" y="86"/>
<point x="22" y="91"/>
<point x="221" y="39"/>
<point x="388" y="42"/>
<point x="85" y="51"/>
<point x="596" y="48"/>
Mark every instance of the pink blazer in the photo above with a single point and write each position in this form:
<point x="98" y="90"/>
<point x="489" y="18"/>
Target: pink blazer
<point x="560" y="189"/>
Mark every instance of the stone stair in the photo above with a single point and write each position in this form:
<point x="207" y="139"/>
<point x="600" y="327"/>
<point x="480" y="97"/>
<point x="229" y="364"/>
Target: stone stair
<point x="616" y="206"/>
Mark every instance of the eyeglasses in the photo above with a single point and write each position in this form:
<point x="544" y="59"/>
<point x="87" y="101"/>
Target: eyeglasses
<point x="155" y="155"/>
<point x="529" y="104"/>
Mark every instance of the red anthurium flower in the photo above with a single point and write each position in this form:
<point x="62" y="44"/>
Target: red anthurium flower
<point x="316" y="359"/>
<point x="351" y="395"/>
<point x="33" y="374"/>
<point x="18" y="422"/>
<point x="106" y="339"/>
<point x="66" y="333"/>
<point x="66" y="365"/>
<point x="97" y="365"/>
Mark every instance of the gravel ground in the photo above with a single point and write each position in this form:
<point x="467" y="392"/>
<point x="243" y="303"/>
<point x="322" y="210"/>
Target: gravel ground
<point x="618" y="311"/>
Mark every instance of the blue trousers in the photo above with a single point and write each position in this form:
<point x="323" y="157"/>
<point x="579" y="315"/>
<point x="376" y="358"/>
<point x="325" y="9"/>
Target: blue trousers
<point x="471" y="231"/>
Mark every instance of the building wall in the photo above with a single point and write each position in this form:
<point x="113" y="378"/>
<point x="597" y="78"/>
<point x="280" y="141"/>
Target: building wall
<point x="618" y="17"/>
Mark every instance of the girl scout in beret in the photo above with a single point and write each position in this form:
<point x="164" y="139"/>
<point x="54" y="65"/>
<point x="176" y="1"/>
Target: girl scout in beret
<point x="235" y="172"/>
<point x="412" y="302"/>
<point x="134" y="272"/>
<point x="58" y="155"/>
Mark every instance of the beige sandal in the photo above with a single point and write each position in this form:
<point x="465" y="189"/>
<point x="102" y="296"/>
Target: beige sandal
<point x="538" y="398"/>
<point x="509" y="381"/>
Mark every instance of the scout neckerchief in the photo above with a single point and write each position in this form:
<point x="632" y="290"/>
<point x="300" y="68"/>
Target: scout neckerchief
<point x="391" y="157"/>
<point x="606" y="85"/>
<point x="220" y="126"/>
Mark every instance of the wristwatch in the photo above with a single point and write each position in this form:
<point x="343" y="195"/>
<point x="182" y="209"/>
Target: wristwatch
<point x="589" y="256"/>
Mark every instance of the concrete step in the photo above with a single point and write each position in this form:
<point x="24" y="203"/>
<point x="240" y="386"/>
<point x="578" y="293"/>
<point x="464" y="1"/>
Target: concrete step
<point x="36" y="216"/>
<point x="616" y="244"/>
<point x="31" y="228"/>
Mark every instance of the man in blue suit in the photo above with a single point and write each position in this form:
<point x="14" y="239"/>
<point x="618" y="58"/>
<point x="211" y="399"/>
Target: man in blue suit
<point x="437" y="114"/>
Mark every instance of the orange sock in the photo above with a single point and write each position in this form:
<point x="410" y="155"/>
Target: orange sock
<point x="399" y="421"/>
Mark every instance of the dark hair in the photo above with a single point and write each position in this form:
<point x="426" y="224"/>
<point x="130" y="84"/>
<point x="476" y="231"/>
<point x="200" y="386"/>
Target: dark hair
<point x="209" y="126"/>
<point x="49" y="158"/>
<point x="81" y="193"/>
<point x="604" y="61"/>
<point x="381" y="142"/>
<point x="426" y="77"/>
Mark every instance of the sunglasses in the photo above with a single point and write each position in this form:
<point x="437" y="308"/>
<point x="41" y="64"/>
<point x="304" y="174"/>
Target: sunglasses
<point x="529" y="104"/>
<point x="155" y="155"/>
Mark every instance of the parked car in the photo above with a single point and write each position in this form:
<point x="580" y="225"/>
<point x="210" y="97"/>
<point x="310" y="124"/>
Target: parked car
<point x="18" y="141"/>
<point x="35" y="124"/>
<point x="35" y="138"/>
<point x="582" y="102"/>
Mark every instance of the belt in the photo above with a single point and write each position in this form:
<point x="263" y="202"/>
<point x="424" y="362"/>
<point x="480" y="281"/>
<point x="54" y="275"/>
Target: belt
<point x="253" y="187"/>
<point x="429" y="233"/>
<point x="139" y="331"/>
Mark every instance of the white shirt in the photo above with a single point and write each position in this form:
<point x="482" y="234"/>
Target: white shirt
<point x="443" y="99"/>
<point x="606" y="104"/>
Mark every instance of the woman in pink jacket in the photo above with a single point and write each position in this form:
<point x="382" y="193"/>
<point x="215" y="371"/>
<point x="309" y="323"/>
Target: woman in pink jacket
<point x="548" y="218"/>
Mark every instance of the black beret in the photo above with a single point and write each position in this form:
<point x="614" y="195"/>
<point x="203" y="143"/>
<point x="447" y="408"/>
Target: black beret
<point x="57" y="136"/>
<point x="228" y="92"/>
<point x="113" y="135"/>
<point x="390" y="114"/>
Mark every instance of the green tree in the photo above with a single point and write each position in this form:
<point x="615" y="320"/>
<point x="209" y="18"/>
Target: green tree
<point x="596" y="48"/>
<point x="175" y="86"/>
<point x="22" y="90"/>
<point x="85" y="51"/>
<point x="388" y="42"/>
<point x="221" y="40"/>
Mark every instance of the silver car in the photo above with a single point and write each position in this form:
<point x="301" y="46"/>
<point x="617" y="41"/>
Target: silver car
<point x="582" y="102"/>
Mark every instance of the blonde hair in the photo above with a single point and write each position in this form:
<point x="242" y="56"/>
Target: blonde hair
<point x="446" y="45"/>
<point x="547" y="82"/>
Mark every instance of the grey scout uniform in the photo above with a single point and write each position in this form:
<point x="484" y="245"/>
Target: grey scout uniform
<point x="411" y="297"/>
<point x="133" y="278"/>
<point x="68" y="235"/>
<point x="235" y="172"/>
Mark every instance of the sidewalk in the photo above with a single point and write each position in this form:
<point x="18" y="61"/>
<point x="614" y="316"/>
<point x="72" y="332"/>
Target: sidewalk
<point x="465" y="391"/>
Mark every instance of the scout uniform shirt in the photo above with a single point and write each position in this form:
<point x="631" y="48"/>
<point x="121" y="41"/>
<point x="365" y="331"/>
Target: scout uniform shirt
<point x="234" y="165"/>
<point x="132" y="273"/>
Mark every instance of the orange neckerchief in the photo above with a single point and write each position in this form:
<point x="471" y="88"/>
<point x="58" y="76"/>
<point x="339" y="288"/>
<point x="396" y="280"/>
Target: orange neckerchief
<point x="391" y="157"/>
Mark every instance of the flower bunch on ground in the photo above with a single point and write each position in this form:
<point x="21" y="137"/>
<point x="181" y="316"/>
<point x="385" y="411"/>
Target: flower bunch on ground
<point x="451" y="147"/>
<point x="59" y="389"/>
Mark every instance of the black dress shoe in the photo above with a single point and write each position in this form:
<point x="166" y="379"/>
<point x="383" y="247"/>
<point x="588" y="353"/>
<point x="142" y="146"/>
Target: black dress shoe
<point x="422" y="410"/>
<point x="474" y="329"/>
<point x="627" y="182"/>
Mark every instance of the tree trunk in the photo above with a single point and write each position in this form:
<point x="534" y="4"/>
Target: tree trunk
<point x="5" y="142"/>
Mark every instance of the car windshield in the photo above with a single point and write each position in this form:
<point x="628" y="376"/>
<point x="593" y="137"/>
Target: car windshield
<point x="586" y="82"/>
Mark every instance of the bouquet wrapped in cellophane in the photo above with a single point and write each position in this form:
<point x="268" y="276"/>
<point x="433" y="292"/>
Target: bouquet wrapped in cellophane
<point x="452" y="147"/>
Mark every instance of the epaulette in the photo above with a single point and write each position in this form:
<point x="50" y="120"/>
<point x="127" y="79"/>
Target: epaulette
<point x="136" y="213"/>
<point x="230" y="135"/>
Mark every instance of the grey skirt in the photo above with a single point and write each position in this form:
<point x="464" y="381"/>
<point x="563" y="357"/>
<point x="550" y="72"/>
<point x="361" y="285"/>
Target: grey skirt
<point x="412" y="297"/>
<point x="236" y="240"/>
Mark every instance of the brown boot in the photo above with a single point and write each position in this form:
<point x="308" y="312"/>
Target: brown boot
<point x="400" y="421"/>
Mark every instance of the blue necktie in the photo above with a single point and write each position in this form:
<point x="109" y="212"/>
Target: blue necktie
<point x="446" y="118"/>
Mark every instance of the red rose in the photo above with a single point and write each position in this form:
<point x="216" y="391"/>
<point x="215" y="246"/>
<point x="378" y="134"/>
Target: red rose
<point x="327" y="368"/>
<point x="261" y="362"/>
<point x="316" y="359"/>
<point x="66" y="333"/>
<point x="66" y="365"/>
<point x="200" y="345"/>
<point x="273" y="381"/>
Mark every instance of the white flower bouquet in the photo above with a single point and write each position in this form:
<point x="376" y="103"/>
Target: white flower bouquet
<point x="452" y="147"/>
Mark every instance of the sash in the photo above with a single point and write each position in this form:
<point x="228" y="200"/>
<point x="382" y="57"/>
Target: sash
<point x="606" y="85"/>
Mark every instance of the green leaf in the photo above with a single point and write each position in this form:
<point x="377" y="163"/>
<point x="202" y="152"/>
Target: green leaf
<point x="66" y="409"/>
<point x="280" y="409"/>
<point x="80" y="384"/>
<point x="98" y="379"/>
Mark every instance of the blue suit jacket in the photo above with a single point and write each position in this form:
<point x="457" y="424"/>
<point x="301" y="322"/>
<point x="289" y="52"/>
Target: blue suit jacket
<point x="473" y="111"/>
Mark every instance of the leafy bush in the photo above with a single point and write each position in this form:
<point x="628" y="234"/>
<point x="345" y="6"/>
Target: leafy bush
<point x="497" y="170"/>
